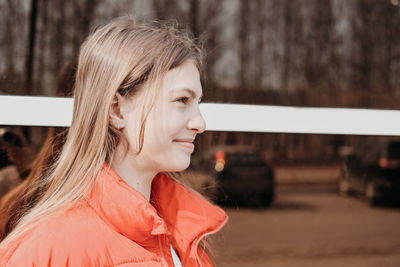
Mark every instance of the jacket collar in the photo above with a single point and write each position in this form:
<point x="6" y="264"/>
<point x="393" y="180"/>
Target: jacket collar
<point x="177" y="210"/>
<point x="189" y="215"/>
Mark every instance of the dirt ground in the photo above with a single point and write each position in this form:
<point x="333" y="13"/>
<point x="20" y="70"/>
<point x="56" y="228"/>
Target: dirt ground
<point x="311" y="228"/>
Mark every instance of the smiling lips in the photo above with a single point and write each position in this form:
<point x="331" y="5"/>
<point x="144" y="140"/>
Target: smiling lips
<point x="186" y="143"/>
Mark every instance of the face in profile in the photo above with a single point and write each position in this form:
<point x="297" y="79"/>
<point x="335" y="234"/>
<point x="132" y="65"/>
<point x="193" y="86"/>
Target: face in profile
<point x="172" y="124"/>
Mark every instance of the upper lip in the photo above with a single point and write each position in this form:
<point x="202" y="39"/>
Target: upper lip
<point x="187" y="140"/>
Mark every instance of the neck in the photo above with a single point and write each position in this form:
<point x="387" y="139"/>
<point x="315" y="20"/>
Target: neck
<point x="128" y="168"/>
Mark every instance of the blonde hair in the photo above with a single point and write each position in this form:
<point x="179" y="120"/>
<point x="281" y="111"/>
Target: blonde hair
<point x="122" y="57"/>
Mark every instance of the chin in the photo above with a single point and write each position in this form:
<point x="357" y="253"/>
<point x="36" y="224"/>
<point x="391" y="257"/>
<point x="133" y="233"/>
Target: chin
<point x="179" y="165"/>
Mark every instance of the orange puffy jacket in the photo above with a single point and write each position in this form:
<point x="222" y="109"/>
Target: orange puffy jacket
<point x="117" y="226"/>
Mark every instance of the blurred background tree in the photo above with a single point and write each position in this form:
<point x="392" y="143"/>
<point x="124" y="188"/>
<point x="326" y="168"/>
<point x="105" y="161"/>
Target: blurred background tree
<point x="334" y="53"/>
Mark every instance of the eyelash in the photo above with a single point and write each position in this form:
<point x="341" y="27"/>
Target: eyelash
<point x="183" y="100"/>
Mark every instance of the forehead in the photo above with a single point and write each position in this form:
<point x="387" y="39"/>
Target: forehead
<point x="186" y="76"/>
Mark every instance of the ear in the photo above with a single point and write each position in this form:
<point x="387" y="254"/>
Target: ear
<point x="116" y="115"/>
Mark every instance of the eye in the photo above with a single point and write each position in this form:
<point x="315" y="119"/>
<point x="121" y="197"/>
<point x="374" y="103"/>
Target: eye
<point x="183" y="100"/>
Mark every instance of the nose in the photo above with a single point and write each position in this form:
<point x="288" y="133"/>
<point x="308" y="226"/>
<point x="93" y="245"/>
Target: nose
<point x="197" y="123"/>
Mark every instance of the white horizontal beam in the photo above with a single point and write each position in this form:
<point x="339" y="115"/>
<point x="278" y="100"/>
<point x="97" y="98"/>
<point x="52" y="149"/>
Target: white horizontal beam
<point x="57" y="111"/>
<point x="279" y="119"/>
<point x="35" y="110"/>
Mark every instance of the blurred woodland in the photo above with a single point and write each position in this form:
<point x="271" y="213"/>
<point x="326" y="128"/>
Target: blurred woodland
<point x="330" y="53"/>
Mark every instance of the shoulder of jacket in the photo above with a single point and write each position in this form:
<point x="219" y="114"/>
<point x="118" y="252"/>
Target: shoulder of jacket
<point x="77" y="237"/>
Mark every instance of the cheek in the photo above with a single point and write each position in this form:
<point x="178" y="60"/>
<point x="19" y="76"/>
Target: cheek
<point x="175" y="122"/>
<point x="164" y="124"/>
<point x="156" y="133"/>
<point x="160" y="122"/>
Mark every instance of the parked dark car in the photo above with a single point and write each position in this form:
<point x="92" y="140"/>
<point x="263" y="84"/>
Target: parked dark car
<point x="373" y="172"/>
<point x="243" y="177"/>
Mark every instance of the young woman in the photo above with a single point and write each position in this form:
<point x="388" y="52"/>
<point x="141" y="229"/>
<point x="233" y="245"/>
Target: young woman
<point x="108" y="200"/>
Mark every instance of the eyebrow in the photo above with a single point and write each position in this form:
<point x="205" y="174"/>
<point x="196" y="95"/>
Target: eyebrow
<point x="188" y="90"/>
